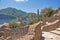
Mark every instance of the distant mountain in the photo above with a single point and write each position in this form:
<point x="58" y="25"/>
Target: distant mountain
<point x="2" y="16"/>
<point x="14" y="12"/>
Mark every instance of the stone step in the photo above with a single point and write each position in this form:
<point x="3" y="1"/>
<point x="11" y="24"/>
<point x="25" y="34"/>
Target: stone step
<point x="59" y="26"/>
<point x="55" y="32"/>
<point x="50" y="36"/>
<point x="58" y="29"/>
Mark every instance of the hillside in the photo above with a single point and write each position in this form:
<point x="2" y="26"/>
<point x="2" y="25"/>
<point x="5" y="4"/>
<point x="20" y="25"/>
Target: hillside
<point x="2" y="16"/>
<point x="14" y="12"/>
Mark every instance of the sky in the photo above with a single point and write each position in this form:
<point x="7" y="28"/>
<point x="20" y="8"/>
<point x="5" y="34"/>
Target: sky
<point x="29" y="5"/>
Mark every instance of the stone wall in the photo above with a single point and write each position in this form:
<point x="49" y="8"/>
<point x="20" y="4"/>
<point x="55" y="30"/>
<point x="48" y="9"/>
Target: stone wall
<point x="5" y="34"/>
<point x="18" y="32"/>
<point x="38" y="32"/>
<point x="51" y="19"/>
<point x="32" y="32"/>
<point x="51" y="27"/>
<point x="14" y="33"/>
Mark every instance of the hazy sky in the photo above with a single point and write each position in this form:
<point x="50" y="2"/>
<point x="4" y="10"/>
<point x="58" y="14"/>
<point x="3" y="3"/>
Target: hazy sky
<point x="29" y="5"/>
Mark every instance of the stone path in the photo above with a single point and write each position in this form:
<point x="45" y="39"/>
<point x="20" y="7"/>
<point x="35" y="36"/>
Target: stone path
<point x="52" y="35"/>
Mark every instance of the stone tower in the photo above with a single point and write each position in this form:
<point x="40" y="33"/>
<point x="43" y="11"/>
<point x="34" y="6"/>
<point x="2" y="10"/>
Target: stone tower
<point x="38" y="13"/>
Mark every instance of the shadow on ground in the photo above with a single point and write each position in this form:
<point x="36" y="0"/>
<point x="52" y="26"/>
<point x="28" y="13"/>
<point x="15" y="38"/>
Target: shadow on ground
<point x="43" y="38"/>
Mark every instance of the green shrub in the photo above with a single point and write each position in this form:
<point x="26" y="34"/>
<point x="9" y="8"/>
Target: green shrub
<point x="41" y="17"/>
<point x="13" y="25"/>
<point x="32" y="22"/>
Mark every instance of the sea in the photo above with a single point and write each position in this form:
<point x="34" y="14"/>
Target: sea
<point x="9" y="20"/>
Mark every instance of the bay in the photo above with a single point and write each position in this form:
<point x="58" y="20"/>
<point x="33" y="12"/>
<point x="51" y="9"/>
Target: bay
<point x="7" y="20"/>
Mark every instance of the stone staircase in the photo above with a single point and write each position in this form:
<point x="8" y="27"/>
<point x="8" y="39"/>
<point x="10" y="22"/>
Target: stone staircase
<point x="52" y="35"/>
<point x="51" y="31"/>
<point x="58" y="28"/>
<point x="57" y="31"/>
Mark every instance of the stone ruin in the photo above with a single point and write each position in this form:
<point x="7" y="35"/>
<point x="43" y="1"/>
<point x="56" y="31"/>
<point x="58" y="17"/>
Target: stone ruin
<point x="14" y="34"/>
<point x="31" y="32"/>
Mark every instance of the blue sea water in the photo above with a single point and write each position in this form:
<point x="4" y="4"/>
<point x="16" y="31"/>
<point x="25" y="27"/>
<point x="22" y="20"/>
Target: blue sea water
<point x="7" y="20"/>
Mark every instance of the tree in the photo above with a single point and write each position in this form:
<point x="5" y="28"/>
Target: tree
<point x="47" y="12"/>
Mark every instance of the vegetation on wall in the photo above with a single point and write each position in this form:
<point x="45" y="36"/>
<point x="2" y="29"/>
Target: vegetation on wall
<point x="13" y="25"/>
<point x="47" y="12"/>
<point x="32" y="22"/>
